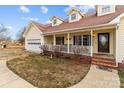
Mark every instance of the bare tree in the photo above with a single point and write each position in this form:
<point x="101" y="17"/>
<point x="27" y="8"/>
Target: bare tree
<point x="3" y="32"/>
<point x="20" y="37"/>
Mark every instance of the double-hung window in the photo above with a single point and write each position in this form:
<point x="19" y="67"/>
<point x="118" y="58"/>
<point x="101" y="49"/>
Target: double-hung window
<point x="73" y="16"/>
<point x="55" y="21"/>
<point x="84" y="40"/>
<point x="77" y="40"/>
<point x="105" y="8"/>
<point x="59" y="40"/>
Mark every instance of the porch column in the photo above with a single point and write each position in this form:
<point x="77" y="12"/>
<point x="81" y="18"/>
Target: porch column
<point x="116" y="45"/>
<point x="68" y="45"/>
<point x="54" y="39"/>
<point x="91" y="43"/>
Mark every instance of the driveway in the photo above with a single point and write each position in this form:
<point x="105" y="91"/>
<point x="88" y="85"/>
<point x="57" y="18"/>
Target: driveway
<point x="10" y="80"/>
<point x="11" y="53"/>
<point x="98" y="78"/>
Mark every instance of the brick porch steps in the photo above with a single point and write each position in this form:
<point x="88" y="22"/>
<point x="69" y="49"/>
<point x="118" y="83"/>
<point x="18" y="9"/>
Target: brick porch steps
<point x="107" y="62"/>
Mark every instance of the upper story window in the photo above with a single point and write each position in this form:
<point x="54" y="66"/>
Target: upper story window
<point x="73" y="16"/>
<point x="105" y="8"/>
<point x="54" y="21"/>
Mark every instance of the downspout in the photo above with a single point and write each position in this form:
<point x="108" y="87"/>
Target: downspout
<point x="91" y="43"/>
<point x="117" y="44"/>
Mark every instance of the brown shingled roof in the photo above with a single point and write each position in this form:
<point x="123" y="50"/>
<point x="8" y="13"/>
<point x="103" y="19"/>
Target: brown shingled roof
<point x="40" y="26"/>
<point x="91" y="20"/>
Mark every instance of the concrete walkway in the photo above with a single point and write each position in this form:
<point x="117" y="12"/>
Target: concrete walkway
<point x="10" y="80"/>
<point x="98" y="78"/>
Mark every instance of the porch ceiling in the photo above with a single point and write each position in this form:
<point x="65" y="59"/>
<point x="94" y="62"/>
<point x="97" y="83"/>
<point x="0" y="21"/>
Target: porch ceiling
<point x="82" y="30"/>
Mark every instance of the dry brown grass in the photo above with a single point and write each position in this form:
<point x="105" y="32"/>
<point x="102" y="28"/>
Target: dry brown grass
<point x="42" y="71"/>
<point x="9" y="53"/>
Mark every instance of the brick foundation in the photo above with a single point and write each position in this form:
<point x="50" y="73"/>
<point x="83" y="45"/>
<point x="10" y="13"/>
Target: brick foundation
<point x="106" y="62"/>
<point x="85" y="59"/>
<point x="75" y="58"/>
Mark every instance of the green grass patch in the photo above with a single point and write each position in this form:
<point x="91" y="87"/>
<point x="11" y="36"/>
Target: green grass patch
<point x="121" y="76"/>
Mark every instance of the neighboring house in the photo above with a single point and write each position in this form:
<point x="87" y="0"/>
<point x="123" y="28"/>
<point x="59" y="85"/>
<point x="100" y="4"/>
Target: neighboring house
<point x="3" y="43"/>
<point x="99" y="35"/>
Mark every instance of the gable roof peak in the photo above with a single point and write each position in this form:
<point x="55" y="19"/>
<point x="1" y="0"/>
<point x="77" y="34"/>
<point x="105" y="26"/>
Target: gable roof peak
<point x="75" y="9"/>
<point x="57" y="18"/>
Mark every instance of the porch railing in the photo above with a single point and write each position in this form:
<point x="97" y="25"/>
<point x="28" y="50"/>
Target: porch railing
<point x="74" y="49"/>
<point x="57" y="48"/>
<point x="79" y="49"/>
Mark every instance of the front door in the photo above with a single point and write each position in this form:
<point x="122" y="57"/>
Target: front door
<point x="103" y="42"/>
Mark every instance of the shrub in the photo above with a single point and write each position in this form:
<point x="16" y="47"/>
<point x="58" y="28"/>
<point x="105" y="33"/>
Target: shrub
<point x="76" y="50"/>
<point x="44" y="49"/>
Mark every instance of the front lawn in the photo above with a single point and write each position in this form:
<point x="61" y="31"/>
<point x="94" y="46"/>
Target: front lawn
<point x="9" y="53"/>
<point x="121" y="76"/>
<point x="42" y="71"/>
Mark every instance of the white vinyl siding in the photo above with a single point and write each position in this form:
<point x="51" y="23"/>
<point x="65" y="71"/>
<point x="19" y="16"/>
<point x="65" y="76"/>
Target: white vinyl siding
<point x="33" y="40"/>
<point x="120" y="40"/>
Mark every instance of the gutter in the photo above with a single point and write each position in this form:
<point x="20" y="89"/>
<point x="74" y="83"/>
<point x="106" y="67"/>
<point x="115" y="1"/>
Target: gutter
<point x="88" y="27"/>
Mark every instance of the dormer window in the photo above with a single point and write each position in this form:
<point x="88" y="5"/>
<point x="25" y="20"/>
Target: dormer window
<point x="105" y="8"/>
<point x="54" y="21"/>
<point x="73" y="16"/>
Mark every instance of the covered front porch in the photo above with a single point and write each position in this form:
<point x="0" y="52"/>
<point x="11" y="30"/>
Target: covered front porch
<point x="84" y="42"/>
<point x="78" y="43"/>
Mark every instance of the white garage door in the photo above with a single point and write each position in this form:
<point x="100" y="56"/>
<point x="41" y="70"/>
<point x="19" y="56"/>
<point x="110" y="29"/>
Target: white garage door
<point x="34" y="45"/>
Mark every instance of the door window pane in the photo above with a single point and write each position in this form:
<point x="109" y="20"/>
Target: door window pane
<point x="103" y="42"/>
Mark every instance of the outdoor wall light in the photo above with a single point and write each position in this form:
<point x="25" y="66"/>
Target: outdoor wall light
<point x="67" y="38"/>
<point x="94" y="35"/>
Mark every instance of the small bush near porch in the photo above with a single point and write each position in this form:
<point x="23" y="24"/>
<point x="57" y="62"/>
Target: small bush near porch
<point x="42" y="71"/>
